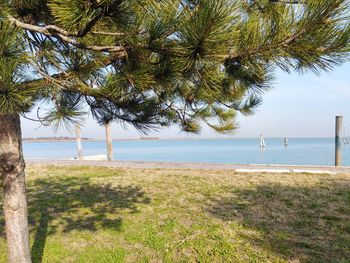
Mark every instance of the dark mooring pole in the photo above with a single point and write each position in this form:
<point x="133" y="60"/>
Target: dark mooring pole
<point x="338" y="129"/>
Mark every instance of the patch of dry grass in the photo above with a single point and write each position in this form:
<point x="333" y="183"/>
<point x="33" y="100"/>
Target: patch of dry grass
<point x="86" y="214"/>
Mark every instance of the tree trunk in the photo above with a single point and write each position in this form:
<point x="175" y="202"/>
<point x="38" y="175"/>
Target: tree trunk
<point x="109" y="142"/>
<point x="14" y="189"/>
<point x="79" y="145"/>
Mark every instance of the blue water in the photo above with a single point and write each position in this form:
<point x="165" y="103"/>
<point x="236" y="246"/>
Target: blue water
<point x="235" y="151"/>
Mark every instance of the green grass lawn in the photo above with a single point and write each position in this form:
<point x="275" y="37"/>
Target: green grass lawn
<point x="88" y="214"/>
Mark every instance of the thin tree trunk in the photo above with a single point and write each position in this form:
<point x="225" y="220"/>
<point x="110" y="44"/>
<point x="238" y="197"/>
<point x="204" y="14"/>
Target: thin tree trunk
<point x="109" y="142"/>
<point x="79" y="145"/>
<point x="14" y="189"/>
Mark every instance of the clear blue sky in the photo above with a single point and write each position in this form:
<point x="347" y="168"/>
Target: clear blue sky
<point x="297" y="106"/>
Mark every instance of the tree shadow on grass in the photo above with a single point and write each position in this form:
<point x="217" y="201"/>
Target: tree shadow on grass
<point x="300" y="224"/>
<point x="75" y="203"/>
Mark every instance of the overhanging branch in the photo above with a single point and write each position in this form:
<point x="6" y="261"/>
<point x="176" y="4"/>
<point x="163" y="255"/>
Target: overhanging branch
<point x="54" y="31"/>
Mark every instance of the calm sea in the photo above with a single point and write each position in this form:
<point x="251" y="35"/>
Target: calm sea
<point x="235" y="151"/>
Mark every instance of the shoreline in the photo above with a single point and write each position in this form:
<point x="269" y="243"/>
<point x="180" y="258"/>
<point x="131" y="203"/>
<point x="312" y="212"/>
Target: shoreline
<point x="177" y="139"/>
<point x="239" y="168"/>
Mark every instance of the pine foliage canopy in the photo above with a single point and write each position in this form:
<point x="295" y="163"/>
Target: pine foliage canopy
<point x="157" y="62"/>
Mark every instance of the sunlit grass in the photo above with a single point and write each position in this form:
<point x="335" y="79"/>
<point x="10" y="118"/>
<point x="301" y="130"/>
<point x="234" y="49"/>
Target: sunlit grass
<point x="86" y="214"/>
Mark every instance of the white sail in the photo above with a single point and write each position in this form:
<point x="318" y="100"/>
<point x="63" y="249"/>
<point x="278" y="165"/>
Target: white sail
<point x="262" y="142"/>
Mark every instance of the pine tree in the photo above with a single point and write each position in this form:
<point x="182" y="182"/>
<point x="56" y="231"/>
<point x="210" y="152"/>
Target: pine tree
<point x="14" y="99"/>
<point x="152" y="63"/>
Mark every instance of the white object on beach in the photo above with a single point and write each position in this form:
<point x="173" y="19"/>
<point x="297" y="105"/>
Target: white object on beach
<point x="283" y="171"/>
<point x="101" y="157"/>
<point x="313" y="171"/>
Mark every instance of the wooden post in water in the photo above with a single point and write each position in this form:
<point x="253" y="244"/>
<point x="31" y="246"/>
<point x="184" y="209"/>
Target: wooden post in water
<point x="79" y="145"/>
<point x="338" y="129"/>
<point x="109" y="142"/>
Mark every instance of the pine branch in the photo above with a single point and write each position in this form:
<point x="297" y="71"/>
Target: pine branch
<point x="116" y="34"/>
<point x="105" y="62"/>
<point x="64" y="35"/>
<point x="54" y="31"/>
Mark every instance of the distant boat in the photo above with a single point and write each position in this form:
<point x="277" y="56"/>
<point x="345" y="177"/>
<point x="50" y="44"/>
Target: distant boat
<point x="285" y="142"/>
<point x="262" y="143"/>
<point x="346" y="140"/>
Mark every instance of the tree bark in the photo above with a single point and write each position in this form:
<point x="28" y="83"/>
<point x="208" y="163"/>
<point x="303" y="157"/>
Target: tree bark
<point x="109" y="142"/>
<point x="79" y="145"/>
<point x="14" y="189"/>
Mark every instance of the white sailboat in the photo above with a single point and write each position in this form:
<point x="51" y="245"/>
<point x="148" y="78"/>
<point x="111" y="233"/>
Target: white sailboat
<point x="345" y="140"/>
<point x="262" y="143"/>
<point x="285" y="142"/>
